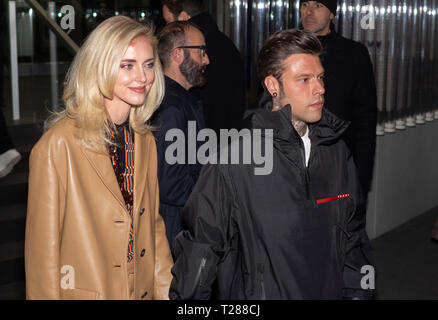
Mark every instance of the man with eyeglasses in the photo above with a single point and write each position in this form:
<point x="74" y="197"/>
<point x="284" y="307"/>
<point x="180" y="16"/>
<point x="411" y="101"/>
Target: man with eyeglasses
<point x="223" y="97"/>
<point x="182" y="52"/>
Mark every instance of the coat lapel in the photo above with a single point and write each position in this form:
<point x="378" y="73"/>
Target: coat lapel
<point x="141" y="148"/>
<point x="102" y="165"/>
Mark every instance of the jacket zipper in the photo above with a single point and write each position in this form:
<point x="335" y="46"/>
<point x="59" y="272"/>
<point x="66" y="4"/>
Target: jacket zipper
<point x="198" y="273"/>
<point x="262" y="283"/>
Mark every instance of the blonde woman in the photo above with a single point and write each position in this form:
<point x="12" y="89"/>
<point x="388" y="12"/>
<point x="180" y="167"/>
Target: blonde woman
<point x="93" y="230"/>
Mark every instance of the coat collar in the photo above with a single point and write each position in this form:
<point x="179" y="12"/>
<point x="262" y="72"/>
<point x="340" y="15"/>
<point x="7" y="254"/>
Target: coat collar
<point x="101" y="163"/>
<point x="327" y="130"/>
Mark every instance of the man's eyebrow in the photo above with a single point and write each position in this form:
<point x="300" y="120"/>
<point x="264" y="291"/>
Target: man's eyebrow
<point x="301" y="75"/>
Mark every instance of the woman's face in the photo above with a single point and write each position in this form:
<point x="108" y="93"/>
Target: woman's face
<point x="134" y="80"/>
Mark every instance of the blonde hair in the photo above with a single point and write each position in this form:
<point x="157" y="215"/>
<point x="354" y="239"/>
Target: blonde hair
<point x="92" y="76"/>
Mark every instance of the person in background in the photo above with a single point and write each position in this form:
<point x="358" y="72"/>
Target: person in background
<point x="93" y="230"/>
<point x="354" y="100"/>
<point x="183" y="55"/>
<point x="223" y="96"/>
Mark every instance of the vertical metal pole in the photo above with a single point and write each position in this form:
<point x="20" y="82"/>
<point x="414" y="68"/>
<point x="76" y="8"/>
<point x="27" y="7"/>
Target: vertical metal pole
<point x="53" y="60"/>
<point x="14" y="61"/>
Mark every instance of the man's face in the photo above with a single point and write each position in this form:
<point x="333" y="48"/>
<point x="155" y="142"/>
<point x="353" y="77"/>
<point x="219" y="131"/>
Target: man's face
<point x="303" y="87"/>
<point x="167" y="15"/>
<point x="195" y="60"/>
<point x="316" y="17"/>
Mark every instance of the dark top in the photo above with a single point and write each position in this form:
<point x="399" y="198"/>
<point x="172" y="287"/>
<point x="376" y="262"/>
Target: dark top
<point x="176" y="181"/>
<point x="350" y="93"/>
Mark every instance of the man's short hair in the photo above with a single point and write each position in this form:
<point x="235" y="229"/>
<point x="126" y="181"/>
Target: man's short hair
<point x="171" y="36"/>
<point x="279" y="46"/>
<point x="192" y="7"/>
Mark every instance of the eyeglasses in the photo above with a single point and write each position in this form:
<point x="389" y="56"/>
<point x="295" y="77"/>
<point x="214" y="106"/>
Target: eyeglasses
<point x="202" y="48"/>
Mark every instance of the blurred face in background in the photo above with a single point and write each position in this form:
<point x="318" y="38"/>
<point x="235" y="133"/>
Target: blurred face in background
<point x="316" y="17"/>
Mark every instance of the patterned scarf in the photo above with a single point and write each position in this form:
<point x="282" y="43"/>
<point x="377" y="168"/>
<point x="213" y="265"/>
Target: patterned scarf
<point x="124" y="170"/>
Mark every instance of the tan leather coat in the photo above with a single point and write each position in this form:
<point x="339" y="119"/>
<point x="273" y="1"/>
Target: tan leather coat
<point x="77" y="226"/>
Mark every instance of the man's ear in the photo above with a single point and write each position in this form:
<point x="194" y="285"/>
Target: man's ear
<point x="184" y="16"/>
<point x="272" y="85"/>
<point x="177" y="56"/>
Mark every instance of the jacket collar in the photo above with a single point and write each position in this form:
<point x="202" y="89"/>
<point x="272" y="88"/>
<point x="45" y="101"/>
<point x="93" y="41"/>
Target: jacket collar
<point x="328" y="130"/>
<point x="101" y="163"/>
<point x="174" y="88"/>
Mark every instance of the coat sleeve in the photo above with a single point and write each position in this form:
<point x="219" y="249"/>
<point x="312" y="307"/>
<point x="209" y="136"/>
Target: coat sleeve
<point x="42" y="239"/>
<point x="176" y="180"/>
<point x="199" y="249"/>
<point x="364" y="118"/>
<point x="163" y="258"/>
<point x="359" y="265"/>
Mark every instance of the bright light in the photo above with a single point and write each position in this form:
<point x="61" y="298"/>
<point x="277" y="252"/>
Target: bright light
<point x="94" y="14"/>
<point x="142" y="14"/>
<point x="30" y="11"/>
<point x="116" y="13"/>
<point x="260" y="6"/>
<point x="59" y="14"/>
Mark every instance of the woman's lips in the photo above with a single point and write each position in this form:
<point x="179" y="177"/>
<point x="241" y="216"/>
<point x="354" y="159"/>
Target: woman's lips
<point x="138" y="89"/>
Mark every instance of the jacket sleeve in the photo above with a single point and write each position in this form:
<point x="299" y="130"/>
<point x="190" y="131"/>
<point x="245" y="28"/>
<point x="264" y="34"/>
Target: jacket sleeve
<point x="199" y="249"/>
<point x="42" y="239"/>
<point x="176" y="180"/>
<point x="359" y="266"/>
<point x="364" y="118"/>
<point x="163" y="258"/>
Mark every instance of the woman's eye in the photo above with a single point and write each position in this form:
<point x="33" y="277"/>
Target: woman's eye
<point x="150" y="65"/>
<point x="127" y="66"/>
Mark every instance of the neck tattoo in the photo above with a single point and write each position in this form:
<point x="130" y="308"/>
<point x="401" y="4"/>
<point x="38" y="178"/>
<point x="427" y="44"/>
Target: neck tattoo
<point x="300" y="127"/>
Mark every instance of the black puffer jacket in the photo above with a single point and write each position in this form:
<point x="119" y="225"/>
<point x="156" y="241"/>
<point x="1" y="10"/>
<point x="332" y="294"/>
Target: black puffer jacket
<point x="267" y="236"/>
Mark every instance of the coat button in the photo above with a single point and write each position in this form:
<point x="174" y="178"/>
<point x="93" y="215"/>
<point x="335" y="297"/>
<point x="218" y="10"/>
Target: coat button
<point x="141" y="211"/>
<point x="142" y="252"/>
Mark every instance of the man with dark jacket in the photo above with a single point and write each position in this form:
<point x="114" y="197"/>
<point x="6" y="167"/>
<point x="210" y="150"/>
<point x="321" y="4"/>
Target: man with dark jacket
<point x="349" y="84"/>
<point x="296" y="233"/>
<point x="224" y="95"/>
<point x="182" y="53"/>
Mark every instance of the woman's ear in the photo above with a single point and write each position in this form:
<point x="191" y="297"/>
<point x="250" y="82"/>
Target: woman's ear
<point x="272" y="85"/>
